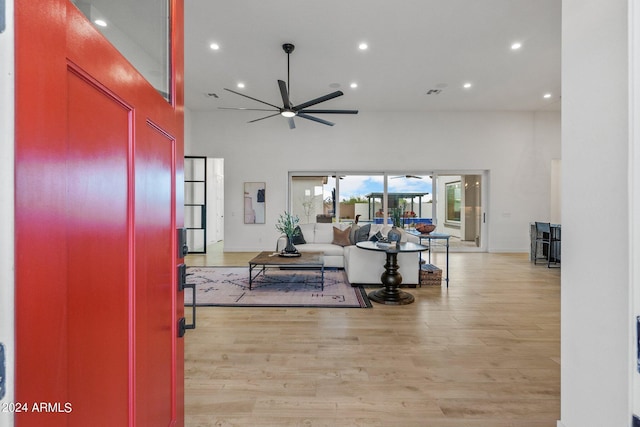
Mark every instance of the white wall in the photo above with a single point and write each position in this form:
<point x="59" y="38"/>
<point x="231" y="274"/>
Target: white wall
<point x="215" y="200"/>
<point x="7" y="279"/>
<point x="634" y="220"/>
<point x="376" y="142"/>
<point x="596" y="348"/>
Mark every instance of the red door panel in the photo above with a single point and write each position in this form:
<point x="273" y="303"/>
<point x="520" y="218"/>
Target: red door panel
<point x="98" y="192"/>
<point x="98" y="248"/>
<point x="156" y="288"/>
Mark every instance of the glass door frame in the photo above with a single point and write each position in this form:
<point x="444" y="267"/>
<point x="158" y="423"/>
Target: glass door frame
<point x="484" y="199"/>
<point x="203" y="206"/>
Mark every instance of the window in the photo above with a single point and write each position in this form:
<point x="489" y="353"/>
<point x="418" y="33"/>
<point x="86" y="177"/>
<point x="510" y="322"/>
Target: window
<point x="336" y="196"/>
<point x="140" y="31"/>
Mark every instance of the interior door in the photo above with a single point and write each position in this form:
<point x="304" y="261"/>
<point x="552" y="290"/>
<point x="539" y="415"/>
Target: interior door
<point x="98" y="185"/>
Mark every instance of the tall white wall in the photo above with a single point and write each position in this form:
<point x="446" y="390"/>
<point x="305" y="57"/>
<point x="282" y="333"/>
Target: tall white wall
<point x="7" y="279"/>
<point x="634" y="220"/>
<point x="516" y="147"/>
<point x="596" y="348"/>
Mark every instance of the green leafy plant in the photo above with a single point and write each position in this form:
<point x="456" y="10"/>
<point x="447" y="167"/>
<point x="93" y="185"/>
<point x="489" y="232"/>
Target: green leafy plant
<point x="396" y="217"/>
<point x="287" y="224"/>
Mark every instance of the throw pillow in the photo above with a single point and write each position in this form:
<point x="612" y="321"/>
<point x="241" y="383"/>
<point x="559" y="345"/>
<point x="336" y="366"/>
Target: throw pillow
<point x="298" y="238"/>
<point x="362" y="234"/>
<point x="341" y="237"/>
<point x="376" y="237"/>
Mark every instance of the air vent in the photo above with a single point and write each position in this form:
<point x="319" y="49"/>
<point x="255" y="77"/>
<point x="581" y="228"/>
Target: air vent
<point x="212" y="95"/>
<point x="434" y="91"/>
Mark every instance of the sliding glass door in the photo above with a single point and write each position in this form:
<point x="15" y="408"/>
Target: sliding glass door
<point x="335" y="197"/>
<point x="454" y="202"/>
<point x="365" y="197"/>
<point x="459" y="202"/>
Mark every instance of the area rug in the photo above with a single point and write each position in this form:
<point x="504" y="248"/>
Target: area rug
<point x="229" y="286"/>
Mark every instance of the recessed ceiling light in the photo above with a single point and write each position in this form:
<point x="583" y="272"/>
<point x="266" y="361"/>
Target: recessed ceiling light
<point x="241" y="85"/>
<point x="363" y="46"/>
<point x="516" y="46"/>
<point x="214" y="46"/>
<point x="353" y="85"/>
<point x="100" y="22"/>
<point x="466" y="85"/>
<point x="547" y="95"/>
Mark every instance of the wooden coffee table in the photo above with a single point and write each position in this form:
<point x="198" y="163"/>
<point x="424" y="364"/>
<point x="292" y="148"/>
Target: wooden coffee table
<point x="274" y="260"/>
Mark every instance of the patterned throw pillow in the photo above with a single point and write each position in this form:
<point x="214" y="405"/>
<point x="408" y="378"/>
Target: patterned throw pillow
<point x="376" y="237"/>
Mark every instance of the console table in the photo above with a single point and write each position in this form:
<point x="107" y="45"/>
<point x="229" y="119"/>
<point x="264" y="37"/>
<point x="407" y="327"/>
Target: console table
<point x="391" y="278"/>
<point x="436" y="239"/>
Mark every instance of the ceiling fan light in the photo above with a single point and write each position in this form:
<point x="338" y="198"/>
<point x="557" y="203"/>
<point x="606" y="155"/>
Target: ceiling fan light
<point x="288" y="113"/>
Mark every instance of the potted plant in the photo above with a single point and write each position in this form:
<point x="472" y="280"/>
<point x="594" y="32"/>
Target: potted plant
<point x="288" y="225"/>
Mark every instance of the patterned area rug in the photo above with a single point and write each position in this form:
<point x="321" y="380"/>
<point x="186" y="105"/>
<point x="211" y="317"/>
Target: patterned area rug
<point x="229" y="286"/>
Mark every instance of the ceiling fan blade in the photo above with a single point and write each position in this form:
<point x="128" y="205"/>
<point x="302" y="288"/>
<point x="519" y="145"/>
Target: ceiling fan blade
<point x="318" y="100"/>
<point x="407" y="177"/>
<point x="315" y="119"/>
<point x="262" y="118"/>
<point x="247" y="96"/>
<point x="292" y="124"/>
<point x="247" y="109"/>
<point x="285" y="94"/>
<point x="329" y="111"/>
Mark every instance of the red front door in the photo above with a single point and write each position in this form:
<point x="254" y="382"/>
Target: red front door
<point x="98" y="185"/>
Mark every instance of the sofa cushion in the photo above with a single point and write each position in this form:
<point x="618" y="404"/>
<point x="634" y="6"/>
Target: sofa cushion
<point x="324" y="233"/>
<point x="352" y="233"/>
<point x="308" y="231"/>
<point x="341" y="237"/>
<point x="326" y="248"/>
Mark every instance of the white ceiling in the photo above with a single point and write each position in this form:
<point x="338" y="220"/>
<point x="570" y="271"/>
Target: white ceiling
<point x="414" y="46"/>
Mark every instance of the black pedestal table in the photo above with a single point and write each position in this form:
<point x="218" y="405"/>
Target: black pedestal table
<point x="391" y="278"/>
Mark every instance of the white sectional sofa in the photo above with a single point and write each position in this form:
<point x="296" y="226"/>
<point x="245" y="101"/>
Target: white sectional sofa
<point x="362" y="266"/>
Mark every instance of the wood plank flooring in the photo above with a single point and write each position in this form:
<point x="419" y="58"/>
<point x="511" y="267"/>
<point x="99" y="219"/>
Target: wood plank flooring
<point x="484" y="353"/>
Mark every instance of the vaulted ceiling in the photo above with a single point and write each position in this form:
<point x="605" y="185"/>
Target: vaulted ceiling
<point x="420" y="54"/>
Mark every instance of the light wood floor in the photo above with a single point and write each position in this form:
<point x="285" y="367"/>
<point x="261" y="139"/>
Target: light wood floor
<point x="484" y="353"/>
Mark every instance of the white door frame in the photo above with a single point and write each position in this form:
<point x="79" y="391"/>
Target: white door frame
<point x="7" y="264"/>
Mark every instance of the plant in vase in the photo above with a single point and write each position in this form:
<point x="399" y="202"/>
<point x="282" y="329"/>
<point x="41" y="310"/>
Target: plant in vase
<point x="394" y="234"/>
<point x="288" y="225"/>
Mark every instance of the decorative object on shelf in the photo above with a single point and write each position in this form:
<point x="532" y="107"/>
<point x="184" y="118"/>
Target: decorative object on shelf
<point x="425" y="228"/>
<point x="288" y="225"/>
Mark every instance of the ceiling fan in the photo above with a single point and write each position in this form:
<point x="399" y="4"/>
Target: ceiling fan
<point x="407" y="176"/>
<point x="288" y="110"/>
